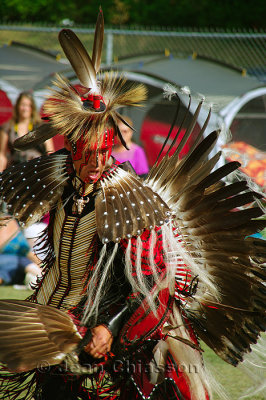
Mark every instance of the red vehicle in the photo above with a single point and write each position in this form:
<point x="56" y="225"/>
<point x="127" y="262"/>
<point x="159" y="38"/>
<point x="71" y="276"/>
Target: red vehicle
<point x="5" y="107"/>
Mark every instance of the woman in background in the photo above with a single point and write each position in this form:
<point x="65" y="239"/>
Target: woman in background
<point x="135" y="155"/>
<point x="25" y="118"/>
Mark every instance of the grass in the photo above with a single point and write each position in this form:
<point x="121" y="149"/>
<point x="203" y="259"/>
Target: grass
<point x="8" y="292"/>
<point x="47" y="41"/>
<point x="233" y="380"/>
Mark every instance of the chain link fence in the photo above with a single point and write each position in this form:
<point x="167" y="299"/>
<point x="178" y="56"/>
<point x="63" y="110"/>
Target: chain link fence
<point x="244" y="50"/>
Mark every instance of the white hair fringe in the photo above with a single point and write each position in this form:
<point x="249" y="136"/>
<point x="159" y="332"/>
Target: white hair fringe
<point x="190" y="361"/>
<point x="139" y="283"/>
<point x="97" y="285"/>
<point x="169" y="91"/>
<point x="225" y="135"/>
<point x="254" y="366"/>
<point x="176" y="248"/>
<point x="187" y="358"/>
<point x="151" y="257"/>
<point x="101" y="273"/>
<point x="231" y="153"/>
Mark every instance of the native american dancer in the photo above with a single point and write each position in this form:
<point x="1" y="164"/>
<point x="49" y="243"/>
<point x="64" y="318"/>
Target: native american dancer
<point x="136" y="272"/>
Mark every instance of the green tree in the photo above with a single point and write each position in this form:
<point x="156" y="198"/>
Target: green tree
<point x="167" y="13"/>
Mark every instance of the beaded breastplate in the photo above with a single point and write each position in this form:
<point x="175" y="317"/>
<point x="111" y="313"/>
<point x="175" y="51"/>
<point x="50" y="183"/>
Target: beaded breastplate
<point x="63" y="284"/>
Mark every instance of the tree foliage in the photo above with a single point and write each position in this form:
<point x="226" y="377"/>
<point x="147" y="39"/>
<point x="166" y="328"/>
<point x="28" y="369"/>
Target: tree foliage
<point x="167" y="13"/>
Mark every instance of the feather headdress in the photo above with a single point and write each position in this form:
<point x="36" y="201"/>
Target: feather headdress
<point x="85" y="111"/>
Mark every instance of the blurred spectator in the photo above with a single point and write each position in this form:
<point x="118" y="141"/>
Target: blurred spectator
<point x="17" y="262"/>
<point x="135" y="155"/>
<point x="25" y="118"/>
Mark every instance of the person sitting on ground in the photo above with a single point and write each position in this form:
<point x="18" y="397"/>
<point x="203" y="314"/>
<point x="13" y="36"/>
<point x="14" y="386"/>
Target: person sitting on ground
<point x="17" y="262"/>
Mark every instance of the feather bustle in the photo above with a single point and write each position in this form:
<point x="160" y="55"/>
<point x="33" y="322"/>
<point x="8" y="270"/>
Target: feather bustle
<point x="214" y="220"/>
<point x="35" y="333"/>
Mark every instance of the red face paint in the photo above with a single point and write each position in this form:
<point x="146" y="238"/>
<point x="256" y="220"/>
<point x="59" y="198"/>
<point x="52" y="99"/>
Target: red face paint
<point x="89" y="160"/>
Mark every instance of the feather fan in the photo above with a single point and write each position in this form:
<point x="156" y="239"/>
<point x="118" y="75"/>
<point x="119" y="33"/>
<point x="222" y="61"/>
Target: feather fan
<point x="33" y="335"/>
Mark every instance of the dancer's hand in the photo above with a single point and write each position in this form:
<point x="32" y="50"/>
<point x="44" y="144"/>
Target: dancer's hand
<point x="100" y="343"/>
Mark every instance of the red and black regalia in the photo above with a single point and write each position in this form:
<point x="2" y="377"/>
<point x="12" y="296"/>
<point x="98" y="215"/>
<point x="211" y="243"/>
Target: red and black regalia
<point x="162" y="263"/>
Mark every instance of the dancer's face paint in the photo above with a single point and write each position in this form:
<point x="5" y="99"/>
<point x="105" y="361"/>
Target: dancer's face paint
<point x="89" y="162"/>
